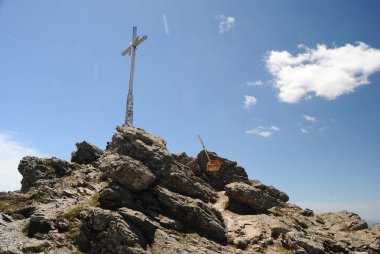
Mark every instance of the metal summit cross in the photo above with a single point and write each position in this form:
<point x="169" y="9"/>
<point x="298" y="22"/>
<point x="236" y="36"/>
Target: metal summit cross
<point x="131" y="52"/>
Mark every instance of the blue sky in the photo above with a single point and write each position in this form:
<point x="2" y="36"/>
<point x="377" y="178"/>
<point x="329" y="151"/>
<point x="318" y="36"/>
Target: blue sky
<point x="288" y="89"/>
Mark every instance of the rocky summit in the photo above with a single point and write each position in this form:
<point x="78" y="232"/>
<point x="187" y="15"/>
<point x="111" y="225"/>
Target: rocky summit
<point x="136" y="197"/>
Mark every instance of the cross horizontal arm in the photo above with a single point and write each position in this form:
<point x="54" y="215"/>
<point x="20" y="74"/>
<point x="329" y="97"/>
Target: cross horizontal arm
<point x="127" y="51"/>
<point x="138" y="40"/>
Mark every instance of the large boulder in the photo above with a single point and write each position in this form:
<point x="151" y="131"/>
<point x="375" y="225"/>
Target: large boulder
<point x="116" y="196"/>
<point x="375" y="230"/>
<point x="228" y="173"/>
<point x="194" y="213"/>
<point x="140" y="145"/>
<point x="86" y="153"/>
<point x="181" y="179"/>
<point x="254" y="198"/>
<point x="38" y="224"/>
<point x="270" y="190"/>
<point x="300" y="242"/>
<point x="129" y="172"/>
<point x="146" y="224"/>
<point x="343" y="220"/>
<point x="33" y="169"/>
<point x="105" y="231"/>
<point x="182" y="158"/>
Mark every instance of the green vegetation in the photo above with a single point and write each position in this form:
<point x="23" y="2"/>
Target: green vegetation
<point x="72" y="213"/>
<point x="72" y="216"/>
<point x="94" y="201"/>
<point x="37" y="197"/>
<point x="191" y="237"/>
<point x="18" y="205"/>
<point x="25" y="228"/>
<point x="280" y="249"/>
<point x="243" y="244"/>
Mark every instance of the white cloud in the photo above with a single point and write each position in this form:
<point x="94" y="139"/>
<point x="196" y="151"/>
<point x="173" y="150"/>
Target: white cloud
<point x="254" y="83"/>
<point x="310" y="118"/>
<point x="166" y="26"/>
<point x="264" y="132"/>
<point x="249" y="101"/>
<point x="324" y="72"/>
<point x="304" y="130"/>
<point x="225" y="23"/>
<point x="11" y="152"/>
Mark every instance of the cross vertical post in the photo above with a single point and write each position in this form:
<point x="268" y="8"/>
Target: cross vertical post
<point x="131" y="50"/>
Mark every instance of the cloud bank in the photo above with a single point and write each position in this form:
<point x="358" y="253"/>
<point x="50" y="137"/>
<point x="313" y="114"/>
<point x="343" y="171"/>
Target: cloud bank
<point x="11" y="152"/>
<point x="324" y="72"/>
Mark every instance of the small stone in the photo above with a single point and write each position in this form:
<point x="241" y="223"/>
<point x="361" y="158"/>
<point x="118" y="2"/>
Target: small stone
<point x="33" y="246"/>
<point x="7" y="217"/>
<point x="63" y="226"/>
<point x="68" y="193"/>
<point x="307" y="212"/>
<point x="11" y="250"/>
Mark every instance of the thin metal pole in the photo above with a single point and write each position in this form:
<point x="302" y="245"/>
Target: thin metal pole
<point x="129" y="111"/>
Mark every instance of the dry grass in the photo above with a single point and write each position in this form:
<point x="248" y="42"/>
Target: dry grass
<point x="16" y="204"/>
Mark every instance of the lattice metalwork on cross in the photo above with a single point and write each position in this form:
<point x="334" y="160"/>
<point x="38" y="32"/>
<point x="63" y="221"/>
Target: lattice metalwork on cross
<point x="131" y="51"/>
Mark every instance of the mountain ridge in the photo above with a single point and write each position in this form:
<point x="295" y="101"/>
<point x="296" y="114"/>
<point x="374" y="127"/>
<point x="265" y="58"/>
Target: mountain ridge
<point x="137" y="197"/>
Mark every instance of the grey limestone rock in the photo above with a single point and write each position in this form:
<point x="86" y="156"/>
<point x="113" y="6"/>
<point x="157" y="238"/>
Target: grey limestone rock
<point x="131" y="173"/>
<point x="107" y="232"/>
<point x="192" y="212"/>
<point x="11" y="250"/>
<point x="35" y="246"/>
<point x="146" y="224"/>
<point x="116" y="196"/>
<point x="38" y="224"/>
<point x="86" y="153"/>
<point x="270" y="190"/>
<point x="181" y="179"/>
<point x="140" y="145"/>
<point x="33" y="169"/>
<point x="298" y="242"/>
<point x="343" y="220"/>
<point x="250" y="196"/>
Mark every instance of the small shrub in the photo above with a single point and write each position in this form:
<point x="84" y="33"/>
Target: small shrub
<point x="25" y="229"/>
<point x="72" y="214"/>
